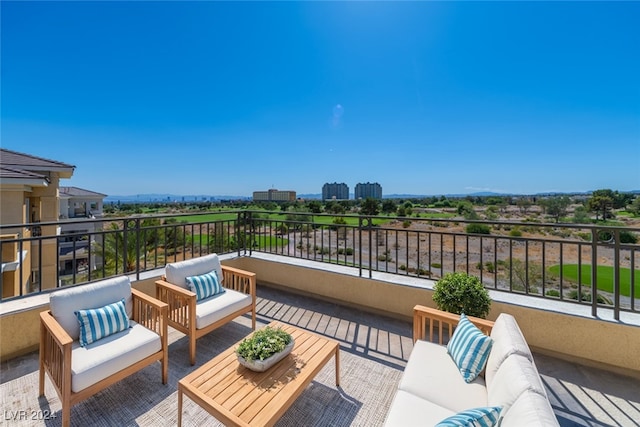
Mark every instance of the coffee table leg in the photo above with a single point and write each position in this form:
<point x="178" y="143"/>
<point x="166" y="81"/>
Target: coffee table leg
<point x="338" y="366"/>
<point x="179" y="407"/>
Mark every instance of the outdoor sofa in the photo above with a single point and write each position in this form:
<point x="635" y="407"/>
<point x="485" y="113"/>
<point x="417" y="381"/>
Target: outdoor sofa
<point x="433" y="389"/>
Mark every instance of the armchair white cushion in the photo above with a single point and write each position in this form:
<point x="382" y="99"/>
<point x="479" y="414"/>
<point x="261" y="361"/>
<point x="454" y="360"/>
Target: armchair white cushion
<point x="66" y="302"/>
<point x="177" y="272"/>
<point x="216" y="308"/>
<point x="110" y="355"/>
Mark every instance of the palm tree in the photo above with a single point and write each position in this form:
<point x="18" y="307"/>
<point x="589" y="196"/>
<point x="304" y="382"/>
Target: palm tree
<point x="120" y="250"/>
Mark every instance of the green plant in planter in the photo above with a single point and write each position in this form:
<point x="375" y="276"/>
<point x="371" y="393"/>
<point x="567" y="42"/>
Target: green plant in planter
<point x="460" y="293"/>
<point x="263" y="344"/>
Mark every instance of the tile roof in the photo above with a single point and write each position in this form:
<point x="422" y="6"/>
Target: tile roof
<point x="79" y="192"/>
<point x="16" y="160"/>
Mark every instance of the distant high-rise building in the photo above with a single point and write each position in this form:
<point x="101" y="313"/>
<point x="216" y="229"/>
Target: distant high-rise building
<point x="273" y="195"/>
<point x="372" y="190"/>
<point x="335" y="191"/>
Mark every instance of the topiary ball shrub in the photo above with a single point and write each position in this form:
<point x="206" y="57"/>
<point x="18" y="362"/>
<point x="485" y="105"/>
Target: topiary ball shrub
<point x="460" y="293"/>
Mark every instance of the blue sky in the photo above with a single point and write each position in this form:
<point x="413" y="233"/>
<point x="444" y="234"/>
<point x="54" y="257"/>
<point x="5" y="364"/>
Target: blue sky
<point x="225" y="98"/>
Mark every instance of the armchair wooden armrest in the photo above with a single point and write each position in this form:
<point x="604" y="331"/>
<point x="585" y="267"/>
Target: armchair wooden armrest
<point x="445" y="323"/>
<point x="150" y="312"/>
<point x="55" y="354"/>
<point x="153" y="313"/>
<point x="181" y="304"/>
<point x="239" y="280"/>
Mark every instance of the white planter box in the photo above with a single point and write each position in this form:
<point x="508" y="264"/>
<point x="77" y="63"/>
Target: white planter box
<point x="263" y="365"/>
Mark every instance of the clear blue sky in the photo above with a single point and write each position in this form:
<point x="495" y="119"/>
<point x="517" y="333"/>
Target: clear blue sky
<point x="225" y="98"/>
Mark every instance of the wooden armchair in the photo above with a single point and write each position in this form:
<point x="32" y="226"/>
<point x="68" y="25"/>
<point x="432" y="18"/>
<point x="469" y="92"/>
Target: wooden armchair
<point x="196" y="318"/>
<point x="78" y="372"/>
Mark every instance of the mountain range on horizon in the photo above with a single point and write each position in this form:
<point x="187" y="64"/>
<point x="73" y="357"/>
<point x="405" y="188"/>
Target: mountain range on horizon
<point x="167" y="198"/>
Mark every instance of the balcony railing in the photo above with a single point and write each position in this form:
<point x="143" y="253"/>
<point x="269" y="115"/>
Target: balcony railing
<point x="578" y="263"/>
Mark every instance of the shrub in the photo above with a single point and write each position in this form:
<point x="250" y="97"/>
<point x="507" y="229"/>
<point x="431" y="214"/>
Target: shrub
<point x="515" y="232"/>
<point x="460" y="293"/>
<point x="478" y="229"/>
<point x="586" y="296"/>
<point x="553" y="293"/>
<point x="628" y="237"/>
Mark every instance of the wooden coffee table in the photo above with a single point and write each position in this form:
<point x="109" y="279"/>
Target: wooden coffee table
<point x="238" y="396"/>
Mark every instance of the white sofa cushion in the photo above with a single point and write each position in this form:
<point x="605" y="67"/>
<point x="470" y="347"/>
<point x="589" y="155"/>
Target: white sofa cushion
<point x="516" y="375"/>
<point x="111" y="354"/>
<point x="215" y="308"/>
<point x="409" y="410"/>
<point x="531" y="409"/>
<point x="65" y="302"/>
<point x="177" y="272"/>
<point x="432" y="375"/>
<point x="507" y="340"/>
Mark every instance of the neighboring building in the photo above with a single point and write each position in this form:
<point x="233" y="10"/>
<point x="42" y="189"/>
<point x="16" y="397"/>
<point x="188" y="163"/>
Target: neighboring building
<point x="78" y="205"/>
<point x="368" y="190"/>
<point x="29" y="193"/>
<point x="335" y="191"/>
<point x="274" y="195"/>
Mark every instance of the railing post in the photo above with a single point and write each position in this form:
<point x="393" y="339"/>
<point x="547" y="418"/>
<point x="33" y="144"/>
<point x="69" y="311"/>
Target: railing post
<point x="360" y="246"/>
<point x="137" y="243"/>
<point x="616" y="274"/>
<point x="370" y="246"/>
<point x="594" y="272"/>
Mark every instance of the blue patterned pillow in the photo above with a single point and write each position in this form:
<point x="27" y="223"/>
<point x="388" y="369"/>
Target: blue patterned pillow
<point x="469" y="348"/>
<point x="476" y="417"/>
<point x="96" y="323"/>
<point x="205" y="285"/>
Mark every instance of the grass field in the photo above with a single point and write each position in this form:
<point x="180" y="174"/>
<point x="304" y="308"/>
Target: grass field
<point x="208" y="217"/>
<point x="261" y="241"/>
<point x="270" y="242"/>
<point x="604" y="277"/>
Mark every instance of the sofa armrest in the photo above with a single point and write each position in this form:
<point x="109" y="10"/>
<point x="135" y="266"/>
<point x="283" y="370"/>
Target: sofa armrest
<point x="55" y="354"/>
<point x="441" y="323"/>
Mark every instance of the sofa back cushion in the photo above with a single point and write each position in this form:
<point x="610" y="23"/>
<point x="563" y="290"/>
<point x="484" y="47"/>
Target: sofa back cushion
<point x="507" y="340"/>
<point x="177" y="272"/>
<point x="531" y="409"/>
<point x="65" y="302"/>
<point x="516" y="375"/>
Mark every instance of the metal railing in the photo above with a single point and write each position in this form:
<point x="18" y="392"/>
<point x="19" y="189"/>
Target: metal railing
<point x="579" y="263"/>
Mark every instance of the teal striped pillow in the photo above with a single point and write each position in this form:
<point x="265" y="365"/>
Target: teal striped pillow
<point x="476" y="417"/>
<point x="96" y="323"/>
<point x="205" y="285"/>
<point x="469" y="348"/>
